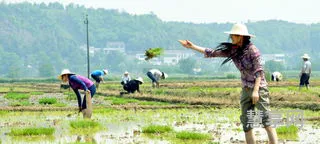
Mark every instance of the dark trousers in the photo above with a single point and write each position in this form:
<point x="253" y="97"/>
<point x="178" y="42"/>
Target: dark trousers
<point x="150" y="75"/>
<point x="96" y="78"/>
<point x="304" y="79"/>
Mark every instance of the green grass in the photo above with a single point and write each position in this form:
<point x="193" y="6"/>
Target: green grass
<point x="192" y="135"/>
<point x="16" y="96"/>
<point x="32" y="131"/>
<point x="156" y="129"/>
<point x="47" y="100"/>
<point x="84" y="124"/>
<point x="288" y="133"/>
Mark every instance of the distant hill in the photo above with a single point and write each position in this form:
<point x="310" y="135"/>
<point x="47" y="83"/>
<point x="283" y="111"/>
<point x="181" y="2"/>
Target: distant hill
<point x="40" y="36"/>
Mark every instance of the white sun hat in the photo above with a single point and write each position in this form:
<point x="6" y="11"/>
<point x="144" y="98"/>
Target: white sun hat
<point x="126" y="72"/>
<point x="65" y="71"/>
<point x="239" y="29"/>
<point x="140" y="79"/>
<point x="106" y="71"/>
<point x="305" y="56"/>
<point x="165" y="75"/>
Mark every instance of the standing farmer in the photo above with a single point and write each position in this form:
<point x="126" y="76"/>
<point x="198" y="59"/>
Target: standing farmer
<point x="155" y="75"/>
<point x="305" y="72"/>
<point x="97" y="75"/>
<point x="77" y="82"/>
<point x="246" y="58"/>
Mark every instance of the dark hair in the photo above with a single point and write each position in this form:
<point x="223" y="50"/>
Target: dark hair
<point x="162" y="75"/>
<point x="227" y="47"/>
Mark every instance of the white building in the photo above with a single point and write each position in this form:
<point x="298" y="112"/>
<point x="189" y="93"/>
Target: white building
<point x="110" y="46"/>
<point x="170" y="57"/>
<point x="273" y="57"/>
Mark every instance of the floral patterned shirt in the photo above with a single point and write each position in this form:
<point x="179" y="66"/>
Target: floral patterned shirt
<point x="249" y="65"/>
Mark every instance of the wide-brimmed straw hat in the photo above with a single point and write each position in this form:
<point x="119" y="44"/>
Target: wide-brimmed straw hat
<point x="65" y="71"/>
<point x="105" y="71"/>
<point x="305" y="56"/>
<point x="165" y="75"/>
<point x="140" y="79"/>
<point x="239" y="29"/>
<point x="126" y="72"/>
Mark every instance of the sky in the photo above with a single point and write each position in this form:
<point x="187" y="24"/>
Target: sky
<point x="207" y="11"/>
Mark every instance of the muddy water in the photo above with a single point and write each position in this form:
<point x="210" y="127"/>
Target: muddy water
<point x="125" y="126"/>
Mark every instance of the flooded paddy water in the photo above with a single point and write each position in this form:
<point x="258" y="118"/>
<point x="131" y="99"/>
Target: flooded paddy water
<point x="207" y="108"/>
<point x="125" y="126"/>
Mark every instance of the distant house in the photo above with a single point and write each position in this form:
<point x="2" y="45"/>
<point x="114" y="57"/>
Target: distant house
<point x="273" y="57"/>
<point x="170" y="57"/>
<point x="110" y="46"/>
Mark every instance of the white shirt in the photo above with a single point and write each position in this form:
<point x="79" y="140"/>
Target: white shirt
<point x="126" y="79"/>
<point x="156" y="73"/>
<point x="306" y="68"/>
<point x="276" y="75"/>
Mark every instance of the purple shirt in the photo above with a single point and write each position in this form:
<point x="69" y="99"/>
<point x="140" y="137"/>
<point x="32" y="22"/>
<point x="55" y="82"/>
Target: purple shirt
<point x="248" y="65"/>
<point x="80" y="82"/>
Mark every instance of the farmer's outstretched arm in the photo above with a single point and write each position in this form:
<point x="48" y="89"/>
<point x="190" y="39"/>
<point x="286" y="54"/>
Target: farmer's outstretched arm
<point x="189" y="44"/>
<point x="206" y="51"/>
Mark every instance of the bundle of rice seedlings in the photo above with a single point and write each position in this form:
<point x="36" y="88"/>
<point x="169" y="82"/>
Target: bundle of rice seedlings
<point x="153" y="52"/>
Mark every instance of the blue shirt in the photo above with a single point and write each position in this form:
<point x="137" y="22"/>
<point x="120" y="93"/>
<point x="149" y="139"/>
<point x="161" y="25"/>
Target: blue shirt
<point x="97" y="73"/>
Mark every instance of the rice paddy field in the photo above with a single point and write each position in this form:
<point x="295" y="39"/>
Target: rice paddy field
<point x="179" y="112"/>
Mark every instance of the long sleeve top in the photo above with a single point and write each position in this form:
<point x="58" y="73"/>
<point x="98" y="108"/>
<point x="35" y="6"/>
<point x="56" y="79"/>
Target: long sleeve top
<point x="156" y="73"/>
<point x="248" y="65"/>
<point x="77" y="82"/>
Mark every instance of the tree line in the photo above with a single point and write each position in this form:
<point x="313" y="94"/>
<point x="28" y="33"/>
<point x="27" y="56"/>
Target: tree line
<point x="39" y="40"/>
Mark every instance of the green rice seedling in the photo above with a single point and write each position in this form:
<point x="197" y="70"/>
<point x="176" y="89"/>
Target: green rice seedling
<point x="152" y="103"/>
<point x="156" y="129"/>
<point x="237" y="129"/>
<point x="213" y="143"/>
<point x="20" y="103"/>
<point x="105" y="111"/>
<point x="3" y="113"/>
<point x="47" y="100"/>
<point x="121" y="101"/>
<point x="84" y="124"/>
<point x="16" y="96"/>
<point x="192" y="135"/>
<point x="71" y="95"/>
<point x="34" y="139"/>
<point x="288" y="132"/>
<point x="59" y="105"/>
<point x="153" y="52"/>
<point x="31" y="131"/>
<point x="36" y="93"/>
